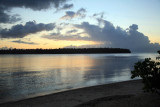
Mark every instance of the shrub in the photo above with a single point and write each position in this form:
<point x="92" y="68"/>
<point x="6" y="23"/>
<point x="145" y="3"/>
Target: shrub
<point x="149" y="71"/>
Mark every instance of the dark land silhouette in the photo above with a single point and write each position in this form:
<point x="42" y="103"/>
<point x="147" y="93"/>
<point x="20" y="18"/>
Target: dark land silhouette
<point x="159" y="51"/>
<point x="66" y="51"/>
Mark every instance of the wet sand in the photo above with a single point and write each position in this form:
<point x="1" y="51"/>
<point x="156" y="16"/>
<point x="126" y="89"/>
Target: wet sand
<point x="122" y="94"/>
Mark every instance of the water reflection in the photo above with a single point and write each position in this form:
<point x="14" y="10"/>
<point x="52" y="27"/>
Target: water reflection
<point x="110" y="69"/>
<point x="23" y="76"/>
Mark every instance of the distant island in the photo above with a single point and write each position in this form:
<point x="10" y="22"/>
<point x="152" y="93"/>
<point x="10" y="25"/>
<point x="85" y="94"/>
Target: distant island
<point x="66" y="51"/>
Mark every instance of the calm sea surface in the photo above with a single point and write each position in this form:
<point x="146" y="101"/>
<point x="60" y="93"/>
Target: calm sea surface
<point x="25" y="76"/>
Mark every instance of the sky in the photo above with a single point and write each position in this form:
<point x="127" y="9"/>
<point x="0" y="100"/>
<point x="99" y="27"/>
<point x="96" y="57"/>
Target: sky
<point x="51" y="24"/>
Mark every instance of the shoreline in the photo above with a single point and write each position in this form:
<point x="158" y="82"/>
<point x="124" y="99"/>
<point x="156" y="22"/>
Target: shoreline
<point x="89" y="96"/>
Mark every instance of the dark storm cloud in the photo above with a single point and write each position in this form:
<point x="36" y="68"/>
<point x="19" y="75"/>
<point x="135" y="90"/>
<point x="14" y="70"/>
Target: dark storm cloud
<point x="71" y="14"/>
<point x="20" y="31"/>
<point x="6" y="5"/>
<point x="117" y="37"/>
<point x="24" y="42"/>
<point x="32" y="4"/>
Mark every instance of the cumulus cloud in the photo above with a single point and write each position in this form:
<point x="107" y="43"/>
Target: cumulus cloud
<point x="117" y="37"/>
<point x="38" y="5"/>
<point x="70" y="14"/>
<point x="20" y="31"/>
<point x="111" y="36"/>
<point x="105" y="32"/>
<point x="24" y="42"/>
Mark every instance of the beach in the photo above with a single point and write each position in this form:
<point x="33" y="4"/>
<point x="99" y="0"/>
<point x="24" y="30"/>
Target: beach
<point x="121" y="94"/>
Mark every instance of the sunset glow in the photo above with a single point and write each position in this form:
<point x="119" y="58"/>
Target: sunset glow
<point x="73" y="23"/>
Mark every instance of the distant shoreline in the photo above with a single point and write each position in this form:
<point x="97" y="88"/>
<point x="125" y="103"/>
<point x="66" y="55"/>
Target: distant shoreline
<point x="66" y="51"/>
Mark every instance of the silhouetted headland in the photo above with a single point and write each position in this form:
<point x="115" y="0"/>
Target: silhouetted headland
<point x="66" y="51"/>
<point x="158" y="51"/>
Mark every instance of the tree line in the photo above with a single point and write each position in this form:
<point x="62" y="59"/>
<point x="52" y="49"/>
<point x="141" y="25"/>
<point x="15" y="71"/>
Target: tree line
<point x="66" y="51"/>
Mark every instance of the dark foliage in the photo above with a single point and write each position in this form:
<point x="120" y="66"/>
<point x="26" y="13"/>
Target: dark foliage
<point x="149" y="71"/>
<point x="65" y="51"/>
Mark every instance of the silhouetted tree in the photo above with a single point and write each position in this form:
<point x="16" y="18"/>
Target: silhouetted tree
<point x="149" y="71"/>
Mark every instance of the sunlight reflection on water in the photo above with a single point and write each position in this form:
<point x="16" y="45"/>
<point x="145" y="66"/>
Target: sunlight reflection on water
<point x="23" y="76"/>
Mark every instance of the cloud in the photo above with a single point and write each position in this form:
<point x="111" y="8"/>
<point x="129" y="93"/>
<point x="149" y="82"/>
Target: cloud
<point x="105" y="32"/>
<point x="32" y="4"/>
<point x="117" y="37"/>
<point x="5" y="18"/>
<point x="72" y="31"/>
<point x="70" y="14"/>
<point x="6" y="5"/>
<point x="82" y="10"/>
<point x="133" y="27"/>
<point x="83" y="46"/>
<point x="111" y="36"/>
<point x="23" y="42"/>
<point x="99" y="14"/>
<point x="59" y="36"/>
<point x="71" y="35"/>
<point x="20" y="31"/>
<point x="65" y="7"/>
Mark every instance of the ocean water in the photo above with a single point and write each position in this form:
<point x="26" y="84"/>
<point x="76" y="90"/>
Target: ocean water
<point x="26" y="76"/>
